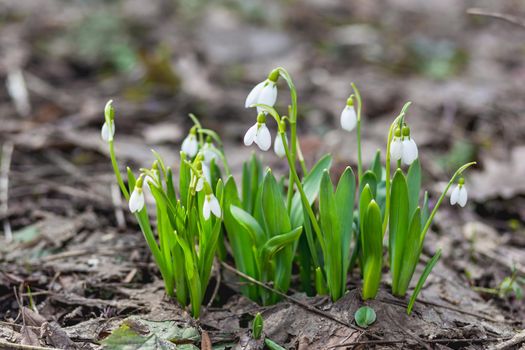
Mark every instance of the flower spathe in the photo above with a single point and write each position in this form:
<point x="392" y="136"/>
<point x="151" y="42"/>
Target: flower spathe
<point x="190" y="145"/>
<point x="136" y="200"/>
<point x="263" y="93"/>
<point x="278" y="146"/>
<point x="459" y="195"/>
<point x="259" y="134"/>
<point x="211" y="205"/>
<point x="348" y="118"/>
<point x="108" y="131"/>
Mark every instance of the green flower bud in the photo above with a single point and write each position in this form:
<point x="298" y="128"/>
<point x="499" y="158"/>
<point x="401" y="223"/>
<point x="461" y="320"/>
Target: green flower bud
<point x="257" y="326"/>
<point x="274" y="75"/>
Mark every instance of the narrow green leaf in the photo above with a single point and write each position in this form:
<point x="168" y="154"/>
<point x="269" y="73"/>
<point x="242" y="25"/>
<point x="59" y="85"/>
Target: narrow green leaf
<point x="272" y="345"/>
<point x="372" y="251"/>
<point x="425" y="212"/>
<point x="274" y="209"/>
<point x="376" y="166"/>
<point x="250" y="224"/>
<point x="398" y="226"/>
<point x="422" y="280"/>
<point x="311" y="183"/>
<point x="411" y="254"/>
<point x="184" y="181"/>
<point x="277" y="243"/>
<point x="369" y="178"/>
<point x="414" y="186"/>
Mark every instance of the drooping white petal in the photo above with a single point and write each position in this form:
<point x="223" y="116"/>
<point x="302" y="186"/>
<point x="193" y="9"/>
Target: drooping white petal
<point x="206" y="172"/>
<point x="136" y="200"/>
<point x="215" y="206"/>
<point x="206" y="208"/>
<point x="396" y="149"/>
<point x="200" y="184"/>
<point x="147" y="181"/>
<point x="250" y="135"/>
<point x="278" y="146"/>
<point x="253" y="96"/>
<point x="190" y="145"/>
<point x="209" y="152"/>
<point x="268" y="95"/>
<point x="463" y="196"/>
<point x="263" y="139"/>
<point x="348" y="118"/>
<point x="410" y="152"/>
<point x="107" y="133"/>
<point x="454" y="196"/>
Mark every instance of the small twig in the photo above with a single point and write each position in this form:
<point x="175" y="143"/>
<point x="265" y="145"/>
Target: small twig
<point x="217" y="284"/>
<point x="7" y="345"/>
<point x="503" y="16"/>
<point x="289" y="298"/>
<point x="431" y="341"/>
<point x="5" y="165"/>
<point x="117" y="203"/>
<point x="515" y="340"/>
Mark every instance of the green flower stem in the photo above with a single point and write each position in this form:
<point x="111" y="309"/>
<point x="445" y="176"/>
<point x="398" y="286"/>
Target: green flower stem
<point x="117" y="171"/>
<point x="304" y="199"/>
<point x="440" y="200"/>
<point x="387" y="163"/>
<point x="359" y="155"/>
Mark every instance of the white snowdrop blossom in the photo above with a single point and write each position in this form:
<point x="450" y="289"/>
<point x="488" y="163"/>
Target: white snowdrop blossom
<point x="108" y="132"/>
<point x="410" y="151"/>
<point x="278" y="146"/>
<point x="263" y="93"/>
<point x="396" y="148"/>
<point x="136" y="200"/>
<point x="348" y="118"/>
<point x="190" y="145"/>
<point x="211" y="204"/>
<point x="259" y="134"/>
<point x="210" y="152"/>
<point x="459" y="195"/>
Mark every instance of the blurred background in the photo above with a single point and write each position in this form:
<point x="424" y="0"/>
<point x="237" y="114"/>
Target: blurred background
<point x="159" y="60"/>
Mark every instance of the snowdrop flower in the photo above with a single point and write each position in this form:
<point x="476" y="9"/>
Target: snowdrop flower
<point x="190" y="145"/>
<point x="136" y="200"/>
<point x="259" y="134"/>
<point x="396" y="146"/>
<point x="264" y="93"/>
<point x="209" y="152"/>
<point x="459" y="195"/>
<point x="349" y="116"/>
<point x="410" y="151"/>
<point x="211" y="204"/>
<point x="108" y="131"/>
<point x="278" y="146"/>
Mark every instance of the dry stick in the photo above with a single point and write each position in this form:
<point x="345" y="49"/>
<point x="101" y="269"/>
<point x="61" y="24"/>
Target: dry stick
<point x="503" y="16"/>
<point x="452" y="308"/>
<point x="7" y="152"/>
<point x="217" y="284"/>
<point x="9" y="346"/>
<point x="117" y="203"/>
<point x="431" y="341"/>
<point x="289" y="298"/>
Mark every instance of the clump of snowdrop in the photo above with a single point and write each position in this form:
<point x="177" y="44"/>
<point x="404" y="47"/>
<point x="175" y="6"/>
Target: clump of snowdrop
<point x="136" y="200"/>
<point x="190" y="145"/>
<point x="349" y="116"/>
<point x="259" y="134"/>
<point x="459" y="194"/>
<point x="403" y="147"/>
<point x="264" y="93"/>
<point x="108" y="128"/>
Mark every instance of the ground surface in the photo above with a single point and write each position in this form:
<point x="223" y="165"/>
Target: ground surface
<point x="80" y="253"/>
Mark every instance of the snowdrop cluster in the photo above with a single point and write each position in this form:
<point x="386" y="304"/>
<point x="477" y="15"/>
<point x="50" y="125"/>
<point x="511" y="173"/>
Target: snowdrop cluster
<point x="403" y="147"/>
<point x="459" y="194"/>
